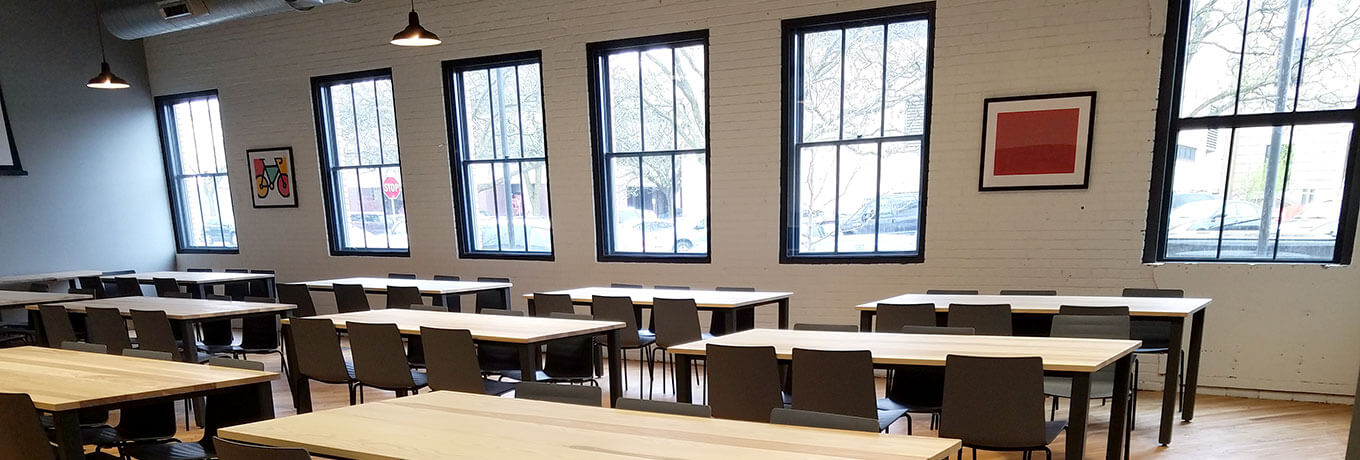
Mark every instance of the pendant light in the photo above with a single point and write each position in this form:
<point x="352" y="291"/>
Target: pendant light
<point x="106" y="79"/>
<point x="414" y="34"/>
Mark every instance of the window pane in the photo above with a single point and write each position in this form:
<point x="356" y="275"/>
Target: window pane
<point x="657" y="201"/>
<point x="482" y="215"/>
<point x="531" y="111"/>
<point x="1197" y="191"/>
<point x="373" y="202"/>
<point x="184" y="139"/>
<point x="905" y="108"/>
<point x="192" y="219"/>
<point x="366" y="123"/>
<point x="225" y="214"/>
<point x="387" y="122"/>
<point x="342" y="122"/>
<point x="626" y="198"/>
<point x="691" y="203"/>
<point x="1330" y="75"/>
<point x="858" y="221"/>
<point x="505" y="112"/>
<point x="690" y="98"/>
<point x="817" y="199"/>
<point x="351" y="205"/>
<point x="1253" y="198"/>
<point x="215" y="132"/>
<point x="1272" y="56"/>
<point x="1310" y="221"/>
<point x="1212" y="57"/>
<point x="535" y="203"/>
<point x="395" y="208"/>
<point x="625" y="122"/>
<point x="203" y="139"/>
<point x="863" y="90"/>
<point x="899" y="196"/>
<point x="477" y="115"/>
<point x="658" y="90"/>
<point x="821" y="76"/>
<point x="509" y="206"/>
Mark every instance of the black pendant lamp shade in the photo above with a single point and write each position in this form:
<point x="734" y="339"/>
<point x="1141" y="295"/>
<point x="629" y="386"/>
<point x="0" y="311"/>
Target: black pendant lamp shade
<point x="106" y="79"/>
<point x="414" y="34"/>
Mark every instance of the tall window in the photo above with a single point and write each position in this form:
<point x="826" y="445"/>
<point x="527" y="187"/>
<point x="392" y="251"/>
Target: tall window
<point x="857" y="123"/>
<point x="361" y="167"/>
<point x="500" y="158"/>
<point x="1262" y="94"/>
<point x="196" y="171"/>
<point x="649" y="108"/>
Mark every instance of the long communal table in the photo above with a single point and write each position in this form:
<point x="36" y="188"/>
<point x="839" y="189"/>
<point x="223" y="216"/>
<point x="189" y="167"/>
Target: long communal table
<point x="1173" y="311"/>
<point x="719" y="302"/>
<point x="526" y="332"/>
<point x="199" y="283"/>
<point x="21" y="299"/>
<point x="445" y="291"/>
<point x="62" y="382"/>
<point x="69" y="276"/>
<point x="183" y="313"/>
<point x="1075" y="358"/>
<point x="449" y="425"/>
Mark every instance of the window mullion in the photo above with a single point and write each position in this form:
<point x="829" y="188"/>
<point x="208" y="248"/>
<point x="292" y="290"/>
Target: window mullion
<point x="1227" y="184"/>
<point x="1284" y="190"/>
<point x="1241" y="62"/>
<point x="377" y="118"/>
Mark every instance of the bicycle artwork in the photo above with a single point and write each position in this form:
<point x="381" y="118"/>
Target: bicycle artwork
<point x="272" y="176"/>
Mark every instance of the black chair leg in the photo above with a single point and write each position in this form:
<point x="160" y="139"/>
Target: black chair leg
<point x="908" y="416"/>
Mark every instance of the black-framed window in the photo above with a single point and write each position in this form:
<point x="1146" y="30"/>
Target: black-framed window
<point x="500" y="159"/>
<point x="856" y="135"/>
<point x="1262" y="94"/>
<point x="196" y="172"/>
<point x="361" y="166"/>
<point x="649" y="113"/>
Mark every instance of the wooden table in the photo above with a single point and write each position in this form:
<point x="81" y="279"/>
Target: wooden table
<point x="445" y="291"/>
<point x="1171" y="310"/>
<point x="198" y="283"/>
<point x="62" y="382"/>
<point x="21" y="299"/>
<point x="183" y="313"/>
<point x="1068" y="357"/>
<point x="68" y="276"/>
<point x="445" y="425"/>
<point x="526" y="332"/>
<point x="720" y="302"/>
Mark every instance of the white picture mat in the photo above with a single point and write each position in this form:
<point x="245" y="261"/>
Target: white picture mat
<point x="274" y="198"/>
<point x="1078" y="174"/>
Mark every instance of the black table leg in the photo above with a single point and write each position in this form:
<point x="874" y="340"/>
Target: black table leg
<point x="66" y="424"/>
<point x="533" y="309"/>
<point x="35" y="322"/>
<point x="1119" y="409"/>
<point x="1077" y="415"/>
<point x="528" y="362"/>
<point x="783" y="313"/>
<point x="616" y="368"/>
<point x="866" y="320"/>
<point x="683" y="387"/>
<point x="1192" y="365"/>
<point x="729" y="318"/>
<point x="302" y="392"/>
<point x="1169" y="386"/>
<point x="198" y="290"/>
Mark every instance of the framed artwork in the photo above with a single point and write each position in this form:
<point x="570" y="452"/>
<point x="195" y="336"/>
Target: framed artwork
<point x="9" y="155"/>
<point x="272" y="177"/>
<point x="1037" y="142"/>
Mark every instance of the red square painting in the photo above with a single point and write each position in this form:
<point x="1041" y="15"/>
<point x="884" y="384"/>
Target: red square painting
<point x="1036" y="142"/>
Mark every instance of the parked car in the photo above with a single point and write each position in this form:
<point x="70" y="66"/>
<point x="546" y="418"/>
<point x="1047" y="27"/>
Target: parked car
<point x="900" y="213"/>
<point x="661" y="236"/>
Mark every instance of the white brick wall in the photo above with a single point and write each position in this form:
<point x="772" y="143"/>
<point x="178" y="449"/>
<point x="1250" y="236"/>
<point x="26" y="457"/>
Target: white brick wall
<point x="1282" y="328"/>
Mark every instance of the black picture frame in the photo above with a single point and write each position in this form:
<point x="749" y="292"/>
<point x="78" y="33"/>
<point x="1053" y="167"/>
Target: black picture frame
<point x="987" y="127"/>
<point x="16" y="168"/>
<point x="291" y="181"/>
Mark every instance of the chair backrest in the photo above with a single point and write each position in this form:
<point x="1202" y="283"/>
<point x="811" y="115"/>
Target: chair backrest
<point x="568" y="394"/>
<point x="664" y="407"/>
<point x="743" y="382"/>
<point x="491" y="299"/>
<point x="835" y="382"/>
<point x="236" y="363"/>
<point x="952" y="291"/>
<point x="260" y="332"/>
<point x="455" y="303"/>
<point x="448" y="278"/>
<point x="155" y="333"/>
<point x="108" y="327"/>
<point x="235" y="406"/>
<point x="24" y="436"/>
<point x="825" y="327"/>
<point x="572" y="357"/>
<point x="199" y="270"/>
<point x="1028" y="292"/>
<point x="379" y="355"/>
<point x="782" y="416"/>
<point x="165" y="286"/>
<point x="1148" y="292"/>
<point x="499" y="312"/>
<point x="318" y="350"/>
<point x="734" y="289"/>
<point x="677" y="321"/>
<point x="231" y="450"/>
<point x="350" y="297"/>
<point x="148" y="354"/>
<point x="938" y="330"/>
<point x="401" y="276"/>
<point x="612" y="308"/>
<point x="423" y="307"/>
<point x="128" y="286"/>
<point x="451" y="360"/>
<point x="985" y="319"/>
<point x="56" y="324"/>
<point x="890" y="317"/>
<point x="297" y="294"/>
<point x="625" y="285"/>
<point x="147" y="421"/>
<point x="89" y="292"/>
<point x="85" y="347"/>
<point x="1092" y="310"/>
<point x="93" y="283"/>
<point x="1091" y="326"/>
<point x="547" y="304"/>
<point x="995" y="402"/>
<point x="672" y="288"/>
<point x="260" y="287"/>
<point x="403" y="296"/>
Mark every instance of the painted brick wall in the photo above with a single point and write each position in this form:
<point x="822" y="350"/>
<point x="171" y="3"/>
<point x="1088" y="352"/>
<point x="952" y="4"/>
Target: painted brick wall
<point x="1278" y="328"/>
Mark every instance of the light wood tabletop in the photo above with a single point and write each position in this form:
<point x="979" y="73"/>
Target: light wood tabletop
<point x="1059" y="354"/>
<point x="24" y="298"/>
<point x="442" y="425"/>
<point x="704" y="299"/>
<point x="493" y="328"/>
<point x="1048" y="304"/>
<point x="427" y="287"/>
<point x="194" y="277"/>
<point x="176" y="308"/>
<point x="47" y="277"/>
<point x="60" y="380"/>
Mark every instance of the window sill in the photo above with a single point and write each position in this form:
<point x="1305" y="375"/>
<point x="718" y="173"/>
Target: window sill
<point x="208" y="251"/>
<point x="806" y="259"/>
<point x="369" y="253"/>
<point x="654" y="258"/>
<point x="529" y="256"/>
<point x="1247" y="262"/>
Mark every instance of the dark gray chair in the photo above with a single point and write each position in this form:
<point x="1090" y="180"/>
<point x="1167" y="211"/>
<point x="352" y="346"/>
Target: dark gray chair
<point x="746" y="317"/>
<point x="85" y="347"/>
<point x="260" y="287"/>
<point x="952" y="291"/>
<point x="452" y="363"/>
<point x="297" y="294"/>
<point x="919" y="389"/>
<point x="677" y="323"/>
<point x="401" y="276"/>
<point x="547" y="304"/>
<point x="985" y="319"/>
<point x="825" y="327"/>
<point x="997" y="404"/>
<point x="350" y="298"/>
<point x="621" y="309"/>
<point x="148" y="354"/>
<point x="491" y="299"/>
<point x="24" y="437"/>
<point x="455" y="303"/>
<point x="107" y="326"/>
<point x="155" y="333"/>
<point x="671" y="288"/>
<point x="319" y="356"/>
<point x="228" y="408"/>
<point x="939" y="330"/>
<point x="259" y="336"/>
<point x="56" y="325"/>
<point x="625" y="285"/>
<point x="892" y="317"/>
<point x="232" y="450"/>
<point x="1156" y="335"/>
<point x="139" y="424"/>
<point x="1028" y="292"/>
<point x="664" y="407"/>
<point x="839" y="382"/>
<point x="236" y="290"/>
<point x="167" y="287"/>
<point x="403" y="296"/>
<point x="570" y="359"/>
<point x="795" y="417"/>
<point x="380" y="359"/>
<point x="93" y="283"/>
<point x="199" y="270"/>
<point x="499" y="358"/>
<point x="128" y="286"/>
<point x="567" y="394"/>
<point x="1092" y="327"/>
<point x="423" y="307"/>
<point x="743" y="382"/>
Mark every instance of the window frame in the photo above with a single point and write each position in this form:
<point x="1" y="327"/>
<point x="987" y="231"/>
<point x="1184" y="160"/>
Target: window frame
<point x="456" y="125"/>
<point x="326" y="149"/>
<point x="170" y="162"/>
<point x="599" y="137"/>
<point x="1169" y="124"/>
<point x="791" y="133"/>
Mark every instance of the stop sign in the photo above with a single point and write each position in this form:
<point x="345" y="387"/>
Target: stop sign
<point x="391" y="188"/>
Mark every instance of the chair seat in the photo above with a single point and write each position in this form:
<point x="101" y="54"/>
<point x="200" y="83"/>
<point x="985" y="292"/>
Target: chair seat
<point x="495" y="388"/>
<point x="887" y="417"/>
<point x="892" y="404"/>
<point x="645" y="338"/>
<point x="1151" y="350"/>
<point x="1053" y="429"/>
<point x="1062" y="387"/>
<point x="349" y="368"/>
<point x="169" y="451"/>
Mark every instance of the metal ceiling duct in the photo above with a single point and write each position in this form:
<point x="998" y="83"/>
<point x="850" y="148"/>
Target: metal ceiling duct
<point x="134" y="19"/>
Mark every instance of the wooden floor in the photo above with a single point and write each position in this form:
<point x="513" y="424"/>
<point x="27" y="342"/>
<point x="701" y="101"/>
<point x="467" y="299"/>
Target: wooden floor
<point x="1224" y="428"/>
